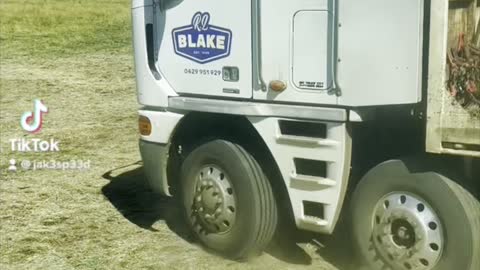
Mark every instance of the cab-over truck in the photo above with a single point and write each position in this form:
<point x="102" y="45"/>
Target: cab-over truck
<point x="256" y="111"/>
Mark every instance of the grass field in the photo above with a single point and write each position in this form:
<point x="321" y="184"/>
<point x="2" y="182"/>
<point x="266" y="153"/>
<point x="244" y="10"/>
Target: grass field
<point x="76" y="56"/>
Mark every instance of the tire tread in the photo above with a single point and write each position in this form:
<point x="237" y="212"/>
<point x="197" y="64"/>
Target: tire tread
<point x="264" y="211"/>
<point x="472" y="206"/>
<point x="268" y="211"/>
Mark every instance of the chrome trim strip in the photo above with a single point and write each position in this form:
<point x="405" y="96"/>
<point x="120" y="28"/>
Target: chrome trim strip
<point x="249" y="108"/>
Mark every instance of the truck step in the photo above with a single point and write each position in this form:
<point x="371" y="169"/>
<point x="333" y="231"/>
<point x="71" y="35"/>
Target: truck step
<point x="308" y="180"/>
<point x="314" y="160"/>
<point x="315" y="221"/>
<point x="306" y="141"/>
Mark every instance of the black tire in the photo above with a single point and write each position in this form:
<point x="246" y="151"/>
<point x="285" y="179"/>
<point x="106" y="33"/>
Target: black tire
<point x="255" y="206"/>
<point x="457" y="210"/>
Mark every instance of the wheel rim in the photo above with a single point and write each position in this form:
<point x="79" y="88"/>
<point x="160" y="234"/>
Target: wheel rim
<point x="213" y="208"/>
<point x="407" y="233"/>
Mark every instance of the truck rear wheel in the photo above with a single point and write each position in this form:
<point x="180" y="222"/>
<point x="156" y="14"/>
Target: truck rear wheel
<point x="228" y="200"/>
<point x="414" y="221"/>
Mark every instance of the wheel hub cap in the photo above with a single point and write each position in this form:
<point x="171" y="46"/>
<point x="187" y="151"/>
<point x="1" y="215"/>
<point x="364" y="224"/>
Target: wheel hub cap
<point x="407" y="234"/>
<point x="213" y="209"/>
<point x="403" y="233"/>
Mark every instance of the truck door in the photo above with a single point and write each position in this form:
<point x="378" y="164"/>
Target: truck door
<point x="204" y="47"/>
<point x="296" y="48"/>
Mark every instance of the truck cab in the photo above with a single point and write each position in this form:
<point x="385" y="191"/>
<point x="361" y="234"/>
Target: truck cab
<point x="258" y="111"/>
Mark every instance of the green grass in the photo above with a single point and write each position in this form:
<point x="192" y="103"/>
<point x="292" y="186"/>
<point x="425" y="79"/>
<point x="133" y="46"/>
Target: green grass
<point x="41" y="28"/>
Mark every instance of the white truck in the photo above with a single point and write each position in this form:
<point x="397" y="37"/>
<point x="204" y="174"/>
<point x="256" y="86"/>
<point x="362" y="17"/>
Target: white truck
<point x="256" y="111"/>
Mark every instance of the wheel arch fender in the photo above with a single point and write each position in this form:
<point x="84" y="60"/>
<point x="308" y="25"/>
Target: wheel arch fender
<point x="196" y="128"/>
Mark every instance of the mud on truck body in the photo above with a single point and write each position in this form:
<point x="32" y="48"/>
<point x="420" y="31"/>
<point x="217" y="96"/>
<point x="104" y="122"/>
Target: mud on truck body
<point x="255" y="112"/>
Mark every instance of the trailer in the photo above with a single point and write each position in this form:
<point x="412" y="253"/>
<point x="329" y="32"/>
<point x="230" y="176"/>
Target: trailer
<point x="256" y="112"/>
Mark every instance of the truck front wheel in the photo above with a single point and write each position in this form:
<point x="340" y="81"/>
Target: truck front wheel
<point x="228" y="200"/>
<point x="414" y="221"/>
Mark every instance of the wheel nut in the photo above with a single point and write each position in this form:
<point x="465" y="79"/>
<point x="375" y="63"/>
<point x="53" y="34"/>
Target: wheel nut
<point x="199" y="198"/>
<point x="219" y="200"/>
<point x="200" y="209"/>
